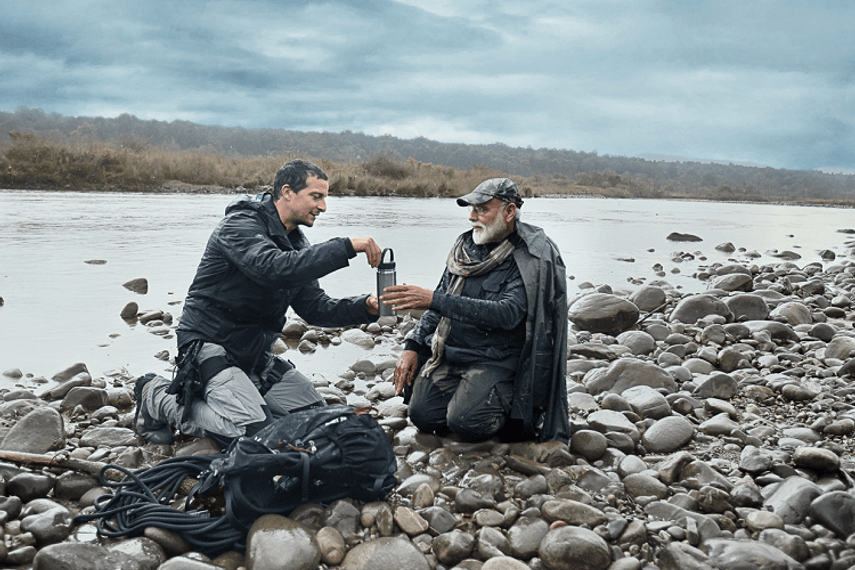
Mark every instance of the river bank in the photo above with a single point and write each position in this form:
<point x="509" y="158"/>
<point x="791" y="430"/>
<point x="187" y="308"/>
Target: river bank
<point x="717" y="431"/>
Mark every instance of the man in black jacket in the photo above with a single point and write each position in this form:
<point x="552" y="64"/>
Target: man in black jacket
<point x="256" y="265"/>
<point x="493" y="342"/>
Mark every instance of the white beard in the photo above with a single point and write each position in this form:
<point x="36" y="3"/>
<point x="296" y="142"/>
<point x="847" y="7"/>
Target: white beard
<point x="482" y="233"/>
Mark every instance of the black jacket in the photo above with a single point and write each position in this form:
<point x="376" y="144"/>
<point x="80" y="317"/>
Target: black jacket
<point x="249" y="275"/>
<point x="487" y="317"/>
<point x="540" y="391"/>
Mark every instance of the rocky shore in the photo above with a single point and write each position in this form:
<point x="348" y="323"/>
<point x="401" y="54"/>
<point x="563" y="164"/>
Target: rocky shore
<point x="710" y="431"/>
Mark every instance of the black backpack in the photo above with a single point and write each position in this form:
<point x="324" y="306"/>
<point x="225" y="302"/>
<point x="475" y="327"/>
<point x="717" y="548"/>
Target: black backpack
<point x="317" y="455"/>
<point x="314" y="456"/>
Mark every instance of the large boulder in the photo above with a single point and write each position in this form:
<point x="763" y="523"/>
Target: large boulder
<point x="677" y="236"/>
<point x="841" y="348"/>
<point x="690" y="309"/>
<point x="794" y="312"/>
<point x="603" y="313"/>
<point x="775" y="330"/>
<point x="747" y="306"/>
<point x="732" y="282"/>
<point x="648" y="298"/>
<point x="625" y="373"/>
<point x="40" y="431"/>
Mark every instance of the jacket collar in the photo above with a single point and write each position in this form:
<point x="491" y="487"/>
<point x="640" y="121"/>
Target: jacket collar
<point x="534" y="238"/>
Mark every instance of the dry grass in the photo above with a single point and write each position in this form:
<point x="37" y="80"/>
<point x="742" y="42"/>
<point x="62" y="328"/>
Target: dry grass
<point x="31" y="162"/>
<point x="132" y="165"/>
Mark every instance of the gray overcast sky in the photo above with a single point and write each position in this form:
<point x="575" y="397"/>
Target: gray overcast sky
<point x="760" y="82"/>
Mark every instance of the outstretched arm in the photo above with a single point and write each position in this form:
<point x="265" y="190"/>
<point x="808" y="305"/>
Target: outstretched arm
<point x="407" y="297"/>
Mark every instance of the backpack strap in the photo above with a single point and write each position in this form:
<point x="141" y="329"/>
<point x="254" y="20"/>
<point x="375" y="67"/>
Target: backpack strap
<point x="304" y="458"/>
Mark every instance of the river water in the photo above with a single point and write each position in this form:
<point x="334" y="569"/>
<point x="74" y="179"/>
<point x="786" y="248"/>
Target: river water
<point x="60" y="310"/>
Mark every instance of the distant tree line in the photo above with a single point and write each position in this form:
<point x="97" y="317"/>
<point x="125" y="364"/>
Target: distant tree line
<point x="543" y="167"/>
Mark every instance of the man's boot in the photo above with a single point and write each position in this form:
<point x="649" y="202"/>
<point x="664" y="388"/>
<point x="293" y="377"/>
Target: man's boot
<point x="152" y="431"/>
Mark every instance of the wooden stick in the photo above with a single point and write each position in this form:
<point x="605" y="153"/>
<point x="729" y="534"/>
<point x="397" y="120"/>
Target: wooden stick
<point x="63" y="461"/>
<point x="74" y="464"/>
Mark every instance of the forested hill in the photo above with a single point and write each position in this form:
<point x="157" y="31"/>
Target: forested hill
<point x="621" y="175"/>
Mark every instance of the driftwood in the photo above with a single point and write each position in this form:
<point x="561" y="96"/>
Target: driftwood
<point x="64" y="462"/>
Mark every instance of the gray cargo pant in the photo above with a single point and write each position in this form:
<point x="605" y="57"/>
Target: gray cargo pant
<point x="473" y="402"/>
<point x="232" y="400"/>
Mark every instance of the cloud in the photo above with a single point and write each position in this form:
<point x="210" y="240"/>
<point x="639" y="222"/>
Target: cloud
<point x="769" y="83"/>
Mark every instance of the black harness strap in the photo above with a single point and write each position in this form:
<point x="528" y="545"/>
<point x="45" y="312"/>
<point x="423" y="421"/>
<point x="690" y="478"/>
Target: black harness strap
<point x="192" y="375"/>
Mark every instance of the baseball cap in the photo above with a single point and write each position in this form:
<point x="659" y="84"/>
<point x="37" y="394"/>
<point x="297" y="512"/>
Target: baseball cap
<point x="502" y="188"/>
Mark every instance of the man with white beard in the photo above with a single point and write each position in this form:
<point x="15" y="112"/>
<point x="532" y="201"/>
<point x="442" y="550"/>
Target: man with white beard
<point x="488" y="357"/>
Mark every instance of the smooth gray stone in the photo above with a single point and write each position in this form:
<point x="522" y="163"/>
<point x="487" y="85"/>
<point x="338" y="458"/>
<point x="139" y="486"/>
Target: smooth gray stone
<point x="720" y="424"/>
<point x="187" y="563"/>
<point x="748" y="305"/>
<point x="49" y="527"/>
<point x="410" y="484"/>
<point x="80" y="556"/>
<point x="108" y="437"/>
<point x="534" y="485"/>
<point x="440" y="519"/>
<point x="147" y="552"/>
<point x="38" y="432"/>
<point x="668" y="434"/>
<point x="748" y="555"/>
<point x="574" y="548"/>
<point x="607" y="420"/>
<point x="274" y="541"/>
<point x="342" y="516"/>
<point x="792" y="545"/>
<point x="840" y="348"/>
<point x="694" y="307"/>
<point x="817" y="459"/>
<point x="526" y="535"/>
<point x="453" y="547"/>
<point x="386" y="553"/>
<point x="776" y="330"/>
<point x="706" y="526"/>
<point x="70" y="372"/>
<point x="492" y="543"/>
<point x="639" y="342"/>
<point x="90" y="397"/>
<point x="30" y="485"/>
<point x="648" y="298"/>
<point x="682" y="556"/>
<point x="625" y="373"/>
<point x="792" y="499"/>
<point x="753" y="460"/>
<point x="732" y="282"/>
<point x="589" y="444"/>
<point x="704" y="475"/>
<point x="641" y="485"/>
<point x="795" y="313"/>
<point x="835" y="511"/>
<point x="572" y="512"/>
<point x="716" y="385"/>
<point x="805" y="434"/>
<point x="647" y="402"/>
<point x="603" y="313"/>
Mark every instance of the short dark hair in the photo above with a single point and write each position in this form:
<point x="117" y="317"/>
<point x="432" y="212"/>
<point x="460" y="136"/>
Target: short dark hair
<point x="294" y="174"/>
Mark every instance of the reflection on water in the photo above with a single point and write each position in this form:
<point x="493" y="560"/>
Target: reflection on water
<point x="60" y="310"/>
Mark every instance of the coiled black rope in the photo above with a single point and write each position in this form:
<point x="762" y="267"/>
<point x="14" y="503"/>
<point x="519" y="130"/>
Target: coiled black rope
<point x="142" y="499"/>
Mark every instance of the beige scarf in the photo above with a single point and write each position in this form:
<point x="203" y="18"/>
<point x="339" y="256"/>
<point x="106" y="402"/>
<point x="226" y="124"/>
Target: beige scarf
<point x="461" y="266"/>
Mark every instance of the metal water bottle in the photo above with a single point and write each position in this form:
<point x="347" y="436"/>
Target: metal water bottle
<point x="385" y="278"/>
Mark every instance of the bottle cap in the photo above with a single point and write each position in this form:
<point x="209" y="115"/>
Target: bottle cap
<point x="387" y="264"/>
